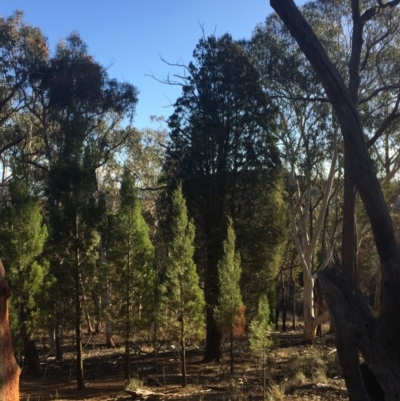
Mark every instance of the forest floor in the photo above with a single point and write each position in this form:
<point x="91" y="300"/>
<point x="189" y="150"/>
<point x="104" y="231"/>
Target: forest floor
<point x="293" y="372"/>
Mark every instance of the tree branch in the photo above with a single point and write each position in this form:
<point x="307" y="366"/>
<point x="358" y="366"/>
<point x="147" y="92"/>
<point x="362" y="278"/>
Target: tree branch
<point x="377" y="91"/>
<point x="9" y="145"/>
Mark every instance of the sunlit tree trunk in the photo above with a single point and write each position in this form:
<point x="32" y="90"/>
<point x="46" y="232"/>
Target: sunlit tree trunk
<point x="9" y="369"/>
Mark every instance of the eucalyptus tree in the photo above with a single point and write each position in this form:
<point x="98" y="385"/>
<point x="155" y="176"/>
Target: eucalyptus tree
<point x="71" y="85"/>
<point x="23" y="51"/>
<point x="144" y="156"/>
<point x="223" y="149"/>
<point x="309" y="140"/>
<point x="306" y="115"/>
<point x="358" y="329"/>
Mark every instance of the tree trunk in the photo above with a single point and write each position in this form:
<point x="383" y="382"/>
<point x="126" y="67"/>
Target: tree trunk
<point x="308" y="310"/>
<point x="318" y="304"/>
<point x="284" y="304"/>
<point x="32" y="361"/>
<point x="9" y="369"/>
<point x="213" y="351"/>
<point x="183" y="360"/>
<point x="78" y="338"/>
<point x="59" y="355"/>
<point x="311" y="322"/>
<point x="357" y="328"/>
<point x="52" y="339"/>
<point x="78" y="312"/>
<point x="109" y="340"/>
<point x="294" y="295"/>
<point x="97" y="310"/>
<point x="349" y="233"/>
<point x="378" y="293"/>
<point x="127" y="361"/>
<point x="108" y="329"/>
<point x="155" y="344"/>
<point x="231" y="351"/>
<point x="86" y="311"/>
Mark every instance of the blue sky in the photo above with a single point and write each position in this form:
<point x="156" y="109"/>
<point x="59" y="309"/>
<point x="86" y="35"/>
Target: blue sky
<point x="133" y="34"/>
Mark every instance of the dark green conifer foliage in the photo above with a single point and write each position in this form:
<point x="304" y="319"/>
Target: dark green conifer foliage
<point x="81" y="111"/>
<point x="22" y="238"/>
<point x="230" y="310"/>
<point x="185" y="297"/>
<point x="132" y="254"/>
<point x="222" y="147"/>
<point x="260" y="333"/>
<point x="74" y="215"/>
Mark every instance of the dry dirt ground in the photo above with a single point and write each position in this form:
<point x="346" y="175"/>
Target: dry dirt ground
<point x="293" y="372"/>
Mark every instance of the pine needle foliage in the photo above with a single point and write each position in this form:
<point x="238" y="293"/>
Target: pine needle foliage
<point x="185" y="297"/>
<point x="261" y="327"/>
<point x="132" y="255"/>
<point x="229" y="314"/>
<point x="22" y="238"/>
<point x="260" y="333"/>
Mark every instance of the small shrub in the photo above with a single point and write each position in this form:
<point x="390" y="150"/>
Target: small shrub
<point x="134" y="384"/>
<point x="275" y="392"/>
<point x="312" y="363"/>
<point x="298" y="379"/>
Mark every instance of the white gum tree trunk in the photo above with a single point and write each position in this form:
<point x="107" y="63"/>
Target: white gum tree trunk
<point x="307" y="244"/>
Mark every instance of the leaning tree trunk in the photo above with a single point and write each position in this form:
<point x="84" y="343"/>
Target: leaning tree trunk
<point x="9" y="369"/>
<point x="357" y="328"/>
<point x="349" y="233"/>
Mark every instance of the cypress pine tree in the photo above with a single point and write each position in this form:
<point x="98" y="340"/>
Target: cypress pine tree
<point x="229" y="312"/>
<point x="185" y="297"/>
<point x="22" y="238"/>
<point x="222" y="147"/>
<point x="74" y="215"/>
<point x="260" y="330"/>
<point x="132" y="255"/>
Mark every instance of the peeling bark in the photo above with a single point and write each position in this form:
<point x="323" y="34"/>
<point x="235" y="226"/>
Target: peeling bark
<point x="9" y="369"/>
